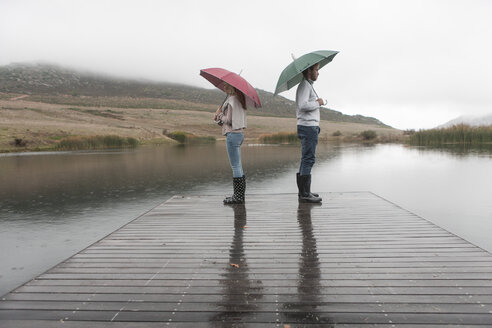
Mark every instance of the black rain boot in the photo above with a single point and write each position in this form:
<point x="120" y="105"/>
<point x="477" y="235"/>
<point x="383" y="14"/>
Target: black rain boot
<point x="239" y="185"/>
<point x="306" y="195"/>
<point x="309" y="188"/>
<point x="298" y="187"/>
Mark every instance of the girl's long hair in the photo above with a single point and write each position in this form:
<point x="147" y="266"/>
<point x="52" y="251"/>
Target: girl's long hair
<point x="241" y="98"/>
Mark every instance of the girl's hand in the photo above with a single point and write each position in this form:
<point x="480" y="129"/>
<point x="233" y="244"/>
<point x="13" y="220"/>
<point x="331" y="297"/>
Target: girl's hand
<point x="217" y="112"/>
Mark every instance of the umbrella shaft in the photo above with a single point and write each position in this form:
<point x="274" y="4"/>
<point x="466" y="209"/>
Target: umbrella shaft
<point x="315" y="91"/>
<point x="224" y="101"/>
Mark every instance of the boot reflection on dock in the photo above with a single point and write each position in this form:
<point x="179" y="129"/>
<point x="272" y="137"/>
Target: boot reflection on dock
<point x="240" y="293"/>
<point x="309" y="288"/>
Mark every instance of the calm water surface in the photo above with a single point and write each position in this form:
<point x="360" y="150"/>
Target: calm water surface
<point x="54" y="205"/>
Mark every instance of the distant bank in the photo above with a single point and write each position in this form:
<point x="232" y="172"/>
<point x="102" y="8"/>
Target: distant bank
<point x="35" y="123"/>
<point x="42" y="105"/>
<point x="460" y="134"/>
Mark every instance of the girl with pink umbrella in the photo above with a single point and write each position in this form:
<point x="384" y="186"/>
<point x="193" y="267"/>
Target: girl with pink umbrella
<point x="232" y="116"/>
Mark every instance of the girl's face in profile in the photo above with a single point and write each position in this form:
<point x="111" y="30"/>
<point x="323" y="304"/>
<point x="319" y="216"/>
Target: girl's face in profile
<point x="229" y="89"/>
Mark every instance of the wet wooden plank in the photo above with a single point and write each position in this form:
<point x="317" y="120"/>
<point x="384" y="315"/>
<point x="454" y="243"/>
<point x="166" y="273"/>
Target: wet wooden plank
<point x="357" y="260"/>
<point x="265" y="307"/>
<point x="450" y="262"/>
<point x="266" y="283"/>
<point x="92" y="324"/>
<point x="331" y="290"/>
<point x="288" y="268"/>
<point x="215" y="298"/>
<point x="301" y="316"/>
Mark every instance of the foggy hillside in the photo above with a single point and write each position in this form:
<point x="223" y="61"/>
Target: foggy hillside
<point x="52" y="79"/>
<point x="472" y="120"/>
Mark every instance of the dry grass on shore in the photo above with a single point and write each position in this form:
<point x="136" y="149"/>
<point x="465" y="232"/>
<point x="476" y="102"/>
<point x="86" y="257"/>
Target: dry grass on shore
<point x="40" y="125"/>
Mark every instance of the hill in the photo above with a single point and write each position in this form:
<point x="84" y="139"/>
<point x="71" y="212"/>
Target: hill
<point x="51" y="83"/>
<point x="476" y="120"/>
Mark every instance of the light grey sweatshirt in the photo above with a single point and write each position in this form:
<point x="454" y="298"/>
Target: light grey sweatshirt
<point x="234" y="116"/>
<point x="307" y="105"/>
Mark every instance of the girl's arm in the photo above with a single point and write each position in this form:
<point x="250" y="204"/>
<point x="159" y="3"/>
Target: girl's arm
<point x="227" y="118"/>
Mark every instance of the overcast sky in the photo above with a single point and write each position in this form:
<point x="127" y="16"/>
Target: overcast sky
<point x="412" y="64"/>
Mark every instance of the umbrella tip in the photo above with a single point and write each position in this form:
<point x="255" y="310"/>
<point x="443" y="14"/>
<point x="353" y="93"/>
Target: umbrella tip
<point x="293" y="57"/>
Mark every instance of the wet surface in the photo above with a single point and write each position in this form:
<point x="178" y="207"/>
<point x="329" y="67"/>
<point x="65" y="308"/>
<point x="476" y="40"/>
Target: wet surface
<point x="355" y="260"/>
<point x="54" y="205"/>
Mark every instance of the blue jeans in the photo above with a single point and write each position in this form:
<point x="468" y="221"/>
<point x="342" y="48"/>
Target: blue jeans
<point x="309" y="141"/>
<point x="233" y="143"/>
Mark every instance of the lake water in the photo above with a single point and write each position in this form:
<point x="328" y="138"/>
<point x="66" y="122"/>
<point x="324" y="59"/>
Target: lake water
<point x="53" y="205"/>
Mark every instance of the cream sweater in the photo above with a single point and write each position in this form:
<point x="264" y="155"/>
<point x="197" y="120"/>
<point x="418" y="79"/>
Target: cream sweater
<point x="234" y="117"/>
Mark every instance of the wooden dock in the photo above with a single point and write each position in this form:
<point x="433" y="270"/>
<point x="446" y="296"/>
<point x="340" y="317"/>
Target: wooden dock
<point x="357" y="260"/>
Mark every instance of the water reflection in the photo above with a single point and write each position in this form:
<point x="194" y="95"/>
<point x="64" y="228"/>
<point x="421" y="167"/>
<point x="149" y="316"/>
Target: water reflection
<point x="309" y="288"/>
<point x="459" y="151"/>
<point x="240" y="293"/>
<point x="68" y="182"/>
<point x="53" y="205"/>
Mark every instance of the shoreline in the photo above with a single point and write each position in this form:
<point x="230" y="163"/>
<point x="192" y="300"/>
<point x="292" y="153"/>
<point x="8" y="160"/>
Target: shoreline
<point x="39" y="126"/>
<point x="248" y="142"/>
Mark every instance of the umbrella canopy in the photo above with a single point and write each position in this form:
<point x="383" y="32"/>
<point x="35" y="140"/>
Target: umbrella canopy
<point x="292" y="74"/>
<point x="219" y="77"/>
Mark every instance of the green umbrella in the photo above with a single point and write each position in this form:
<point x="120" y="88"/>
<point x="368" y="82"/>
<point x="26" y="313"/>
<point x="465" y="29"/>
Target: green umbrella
<point x="292" y="74"/>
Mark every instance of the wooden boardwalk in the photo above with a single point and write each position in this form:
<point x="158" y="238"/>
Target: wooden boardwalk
<point x="355" y="261"/>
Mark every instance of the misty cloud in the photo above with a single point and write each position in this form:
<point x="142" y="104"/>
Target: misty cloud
<point x="411" y="64"/>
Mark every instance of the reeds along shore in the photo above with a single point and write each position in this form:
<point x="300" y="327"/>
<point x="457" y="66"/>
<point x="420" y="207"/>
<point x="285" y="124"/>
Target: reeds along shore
<point x="457" y="134"/>
<point x="96" y="142"/>
<point x="189" y="138"/>
<point x="366" y="136"/>
<point x="278" y="138"/>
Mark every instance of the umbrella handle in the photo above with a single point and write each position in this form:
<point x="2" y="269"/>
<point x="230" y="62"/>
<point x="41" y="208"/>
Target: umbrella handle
<point x="317" y="94"/>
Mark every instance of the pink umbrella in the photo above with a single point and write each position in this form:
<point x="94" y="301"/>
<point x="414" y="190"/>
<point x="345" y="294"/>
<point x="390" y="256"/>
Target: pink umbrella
<point x="220" y="76"/>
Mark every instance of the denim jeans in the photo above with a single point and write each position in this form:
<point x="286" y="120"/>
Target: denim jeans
<point x="309" y="141"/>
<point x="233" y="143"/>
